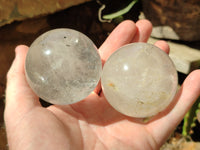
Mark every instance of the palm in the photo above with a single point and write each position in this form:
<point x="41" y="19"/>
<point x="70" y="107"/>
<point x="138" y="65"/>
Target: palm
<point x="91" y="123"/>
<point x="94" y="124"/>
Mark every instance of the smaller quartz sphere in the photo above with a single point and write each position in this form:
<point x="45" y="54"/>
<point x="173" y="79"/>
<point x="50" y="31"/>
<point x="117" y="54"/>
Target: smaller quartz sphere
<point x="139" y="80"/>
<point x="63" y="66"/>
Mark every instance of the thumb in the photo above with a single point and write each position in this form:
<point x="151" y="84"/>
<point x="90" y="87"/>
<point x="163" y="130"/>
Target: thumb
<point x="19" y="97"/>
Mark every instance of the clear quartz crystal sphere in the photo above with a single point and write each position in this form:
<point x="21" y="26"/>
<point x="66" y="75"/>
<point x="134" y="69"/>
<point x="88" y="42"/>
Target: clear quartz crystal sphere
<point x="63" y="66"/>
<point x="139" y="80"/>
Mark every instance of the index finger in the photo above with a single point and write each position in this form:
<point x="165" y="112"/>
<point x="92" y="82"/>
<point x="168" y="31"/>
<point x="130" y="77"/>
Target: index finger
<point x="121" y="35"/>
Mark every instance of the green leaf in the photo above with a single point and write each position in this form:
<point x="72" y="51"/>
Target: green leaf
<point x="190" y="118"/>
<point x="120" y="12"/>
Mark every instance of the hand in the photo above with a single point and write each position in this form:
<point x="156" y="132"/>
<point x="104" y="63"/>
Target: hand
<point x="91" y="123"/>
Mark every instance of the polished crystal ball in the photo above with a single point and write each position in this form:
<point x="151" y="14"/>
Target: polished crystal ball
<point x="139" y="80"/>
<point x="63" y="66"/>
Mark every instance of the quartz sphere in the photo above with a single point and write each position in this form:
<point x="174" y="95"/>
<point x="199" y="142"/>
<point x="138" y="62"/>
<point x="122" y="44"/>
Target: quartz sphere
<point x="139" y="80"/>
<point x="63" y="66"/>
